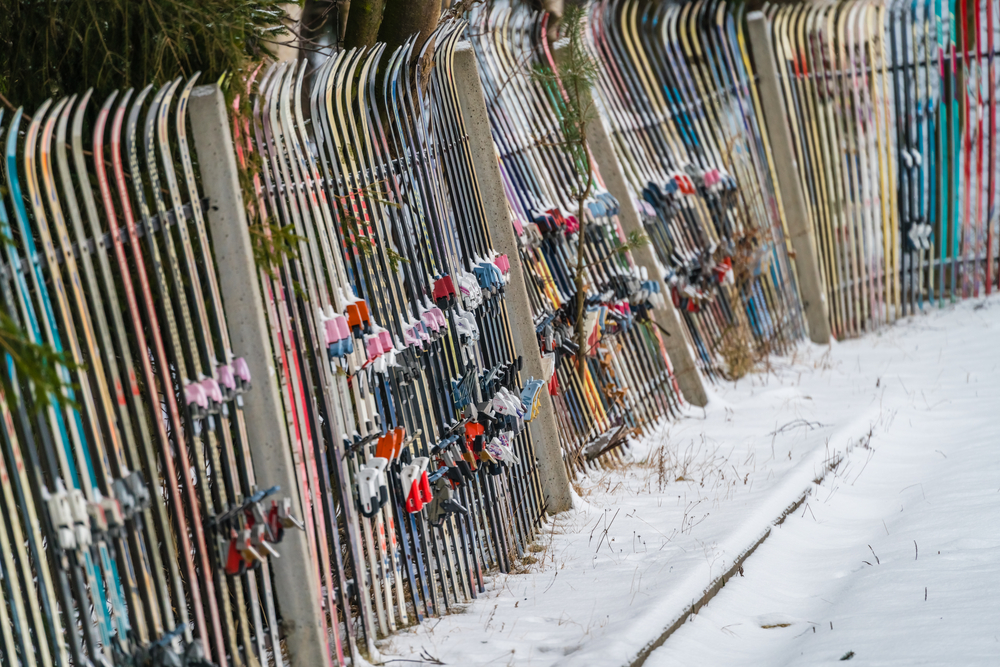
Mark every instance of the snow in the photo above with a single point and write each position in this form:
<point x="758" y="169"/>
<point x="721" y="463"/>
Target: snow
<point x="909" y="413"/>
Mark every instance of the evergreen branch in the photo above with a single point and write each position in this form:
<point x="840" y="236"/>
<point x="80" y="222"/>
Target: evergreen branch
<point x="37" y="364"/>
<point x="636" y="239"/>
<point x="395" y="259"/>
<point x="272" y="245"/>
<point x="51" y="47"/>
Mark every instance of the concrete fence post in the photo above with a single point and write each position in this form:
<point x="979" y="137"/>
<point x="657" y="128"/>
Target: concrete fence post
<point x="799" y="224"/>
<point x="295" y="577"/>
<point x="544" y="428"/>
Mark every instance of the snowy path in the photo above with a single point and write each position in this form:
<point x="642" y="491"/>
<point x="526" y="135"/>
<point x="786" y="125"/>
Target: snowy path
<point x="914" y="411"/>
<point x="898" y="564"/>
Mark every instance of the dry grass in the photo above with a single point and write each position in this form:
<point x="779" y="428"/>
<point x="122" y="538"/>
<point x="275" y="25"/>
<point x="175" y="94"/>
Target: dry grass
<point x="736" y="350"/>
<point x="697" y="462"/>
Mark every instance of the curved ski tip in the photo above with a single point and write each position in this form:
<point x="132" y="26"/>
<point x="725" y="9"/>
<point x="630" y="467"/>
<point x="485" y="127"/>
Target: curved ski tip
<point x="126" y="96"/>
<point x="170" y="91"/>
<point x="109" y="101"/>
<point x="56" y="109"/>
<point x="36" y="119"/>
<point x="85" y="98"/>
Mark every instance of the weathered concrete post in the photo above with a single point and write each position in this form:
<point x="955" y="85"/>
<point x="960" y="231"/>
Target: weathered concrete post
<point x="295" y="577"/>
<point x="544" y="429"/>
<point x="602" y="151"/>
<point x="799" y="224"/>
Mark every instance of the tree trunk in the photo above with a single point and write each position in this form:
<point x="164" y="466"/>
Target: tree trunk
<point x="289" y="46"/>
<point x="363" y="21"/>
<point x="554" y="7"/>
<point x="405" y="17"/>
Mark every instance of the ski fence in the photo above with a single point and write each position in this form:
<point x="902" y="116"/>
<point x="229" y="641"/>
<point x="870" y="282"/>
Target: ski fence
<point x="892" y="110"/>
<point x="295" y="367"/>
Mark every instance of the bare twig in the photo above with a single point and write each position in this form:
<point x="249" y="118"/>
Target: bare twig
<point x="795" y="423"/>
<point x="607" y="528"/>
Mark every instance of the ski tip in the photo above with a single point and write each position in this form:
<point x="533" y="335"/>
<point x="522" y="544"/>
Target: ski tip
<point x="108" y="102"/>
<point x="193" y="79"/>
<point x="126" y="96"/>
<point x="141" y="97"/>
<point x="171" y="88"/>
<point x="85" y="99"/>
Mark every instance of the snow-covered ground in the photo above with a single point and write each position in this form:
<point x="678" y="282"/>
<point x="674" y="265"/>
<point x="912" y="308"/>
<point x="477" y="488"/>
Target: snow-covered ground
<point x="911" y="416"/>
